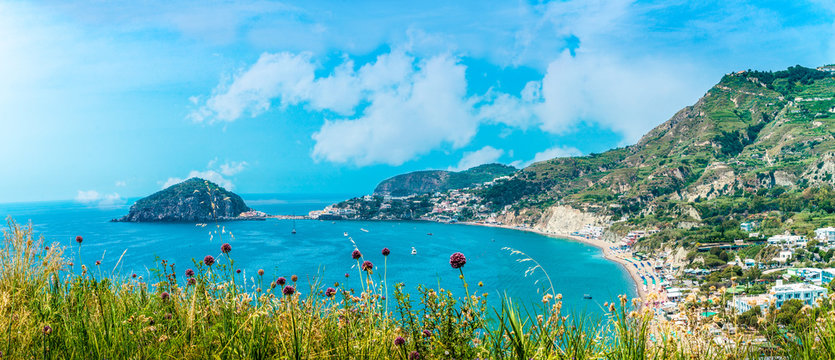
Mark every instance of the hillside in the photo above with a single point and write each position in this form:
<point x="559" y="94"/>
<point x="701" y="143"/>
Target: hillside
<point x="430" y="181"/>
<point x="193" y="200"/>
<point x="757" y="146"/>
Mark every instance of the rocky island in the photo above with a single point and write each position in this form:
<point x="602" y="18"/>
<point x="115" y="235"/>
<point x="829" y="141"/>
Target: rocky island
<point x="193" y="200"/>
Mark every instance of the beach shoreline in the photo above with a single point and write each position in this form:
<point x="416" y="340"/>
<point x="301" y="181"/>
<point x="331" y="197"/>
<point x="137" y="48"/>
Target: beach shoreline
<point x="598" y="243"/>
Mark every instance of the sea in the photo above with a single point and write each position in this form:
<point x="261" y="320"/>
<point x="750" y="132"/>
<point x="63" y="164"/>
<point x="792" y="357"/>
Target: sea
<point x="319" y="253"/>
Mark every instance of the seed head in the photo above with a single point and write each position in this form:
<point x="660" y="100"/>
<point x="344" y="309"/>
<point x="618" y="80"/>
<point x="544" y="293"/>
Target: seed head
<point x="281" y="281"/>
<point x="189" y="272"/>
<point x="414" y="355"/>
<point x="386" y="251"/>
<point x="399" y="341"/>
<point x="238" y="271"/>
<point x="457" y="260"/>
<point x="260" y="272"/>
<point x="356" y="254"/>
<point x="209" y="260"/>
<point x="294" y="278"/>
<point x="79" y="239"/>
<point x="330" y="292"/>
<point x="225" y="248"/>
<point x="47" y="329"/>
<point x="98" y="262"/>
<point x="367" y="266"/>
<point x="289" y="290"/>
<point x="164" y="296"/>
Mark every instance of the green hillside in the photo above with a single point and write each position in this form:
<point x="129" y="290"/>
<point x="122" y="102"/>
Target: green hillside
<point x="430" y="181"/>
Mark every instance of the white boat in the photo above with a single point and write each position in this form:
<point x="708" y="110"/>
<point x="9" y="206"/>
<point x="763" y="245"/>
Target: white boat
<point x="363" y="230"/>
<point x="345" y="234"/>
<point x="414" y="251"/>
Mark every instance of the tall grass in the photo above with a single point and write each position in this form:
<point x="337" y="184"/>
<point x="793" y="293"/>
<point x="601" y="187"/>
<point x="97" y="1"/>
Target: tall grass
<point x="48" y="311"/>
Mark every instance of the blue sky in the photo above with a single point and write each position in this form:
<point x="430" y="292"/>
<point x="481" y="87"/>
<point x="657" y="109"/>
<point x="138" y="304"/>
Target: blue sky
<point x="102" y="101"/>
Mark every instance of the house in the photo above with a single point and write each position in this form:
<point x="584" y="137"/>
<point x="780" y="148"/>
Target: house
<point x="825" y="234"/>
<point x="807" y="293"/>
<point x="788" y="241"/>
<point x="744" y="303"/>
<point x="783" y="256"/>
<point x="748" y="226"/>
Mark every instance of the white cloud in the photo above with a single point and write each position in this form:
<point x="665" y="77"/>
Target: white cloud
<point x="555" y="152"/>
<point x="485" y="155"/>
<point x="214" y="173"/>
<point x="121" y="183"/>
<point x="100" y="200"/>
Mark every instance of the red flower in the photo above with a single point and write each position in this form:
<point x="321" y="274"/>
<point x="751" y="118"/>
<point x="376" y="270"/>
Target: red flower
<point x="386" y="251"/>
<point x="209" y="260"/>
<point x="399" y="341"/>
<point x="225" y="248"/>
<point x="289" y="290"/>
<point x="189" y="272"/>
<point x="330" y="292"/>
<point x="367" y="266"/>
<point x="356" y="254"/>
<point x="281" y="281"/>
<point x="79" y="239"/>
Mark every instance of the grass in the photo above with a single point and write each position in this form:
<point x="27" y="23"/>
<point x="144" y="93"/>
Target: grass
<point x="49" y="311"/>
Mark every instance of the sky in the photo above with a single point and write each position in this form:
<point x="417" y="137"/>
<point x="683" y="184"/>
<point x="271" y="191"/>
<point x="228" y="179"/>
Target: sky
<point x="105" y="101"/>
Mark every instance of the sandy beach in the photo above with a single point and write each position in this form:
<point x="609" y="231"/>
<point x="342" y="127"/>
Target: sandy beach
<point x="601" y="244"/>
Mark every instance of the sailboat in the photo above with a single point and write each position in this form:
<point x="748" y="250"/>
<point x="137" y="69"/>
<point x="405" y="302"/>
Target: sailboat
<point x="414" y="251"/>
<point x="294" y="227"/>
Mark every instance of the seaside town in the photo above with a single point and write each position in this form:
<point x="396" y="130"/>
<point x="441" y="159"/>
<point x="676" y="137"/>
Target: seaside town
<point x="729" y="285"/>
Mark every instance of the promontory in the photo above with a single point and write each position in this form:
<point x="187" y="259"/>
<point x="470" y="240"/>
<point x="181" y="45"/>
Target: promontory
<point x="193" y="200"/>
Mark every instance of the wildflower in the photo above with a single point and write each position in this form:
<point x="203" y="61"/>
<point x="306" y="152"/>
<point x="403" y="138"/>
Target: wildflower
<point x="192" y="281"/>
<point x="330" y="292"/>
<point x="98" y="262"/>
<point x="356" y="254"/>
<point x="209" y="260"/>
<point x="225" y="248"/>
<point x="169" y="316"/>
<point x="79" y="239"/>
<point x="367" y="266"/>
<point x="399" y="341"/>
<point x="346" y="275"/>
<point x="47" y="329"/>
<point x="457" y="260"/>
<point x="427" y="333"/>
<point x="260" y="272"/>
<point x="414" y="355"/>
<point x="238" y="271"/>
<point x="189" y="272"/>
<point x="294" y="278"/>
<point x="133" y="276"/>
<point x="281" y="281"/>
<point x="164" y="296"/>
<point x="480" y="284"/>
<point x="289" y="290"/>
<point x="386" y="251"/>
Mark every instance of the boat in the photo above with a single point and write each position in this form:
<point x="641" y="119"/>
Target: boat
<point x="430" y="234"/>
<point x="345" y="234"/>
<point x="363" y="230"/>
<point x="414" y="251"/>
<point x="294" y="227"/>
<point x="587" y="296"/>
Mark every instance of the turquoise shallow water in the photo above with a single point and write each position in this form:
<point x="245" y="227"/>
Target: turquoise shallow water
<point x="320" y="250"/>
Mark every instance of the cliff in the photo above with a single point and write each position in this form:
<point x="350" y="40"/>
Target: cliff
<point x="430" y="181"/>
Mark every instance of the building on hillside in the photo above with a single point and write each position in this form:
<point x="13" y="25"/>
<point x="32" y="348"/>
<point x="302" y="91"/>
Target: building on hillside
<point x="825" y="234"/>
<point x="788" y="241"/>
<point x="744" y="303"/>
<point x="807" y="293"/>
<point x="748" y="226"/>
<point x="783" y="256"/>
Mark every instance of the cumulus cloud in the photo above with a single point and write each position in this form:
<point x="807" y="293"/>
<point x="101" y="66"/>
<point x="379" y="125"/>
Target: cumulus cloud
<point x="98" y="199"/>
<point x="485" y="155"/>
<point x="215" y="173"/>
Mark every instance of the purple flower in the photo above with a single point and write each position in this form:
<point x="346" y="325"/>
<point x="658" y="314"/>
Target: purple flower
<point x="281" y="281"/>
<point x="209" y="260"/>
<point x="330" y="292"/>
<point x="289" y="290"/>
<point x="386" y="251"/>
<point x="414" y="355"/>
<point x="427" y="333"/>
<point x="356" y="254"/>
<point x="225" y="248"/>
<point x="79" y="239"/>
<point x="98" y="262"/>
<point x="367" y="266"/>
<point x="189" y="272"/>
<point x="346" y="275"/>
<point x="457" y="260"/>
<point x="133" y="276"/>
<point x="47" y="329"/>
<point x="238" y="271"/>
<point x="260" y="272"/>
<point x="169" y="316"/>
<point x="192" y="281"/>
<point x="399" y="341"/>
<point x="164" y="296"/>
<point x="294" y="278"/>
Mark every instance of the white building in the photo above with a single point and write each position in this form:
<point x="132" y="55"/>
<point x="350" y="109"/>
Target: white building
<point x="744" y="303"/>
<point x="807" y="293"/>
<point x="825" y="234"/>
<point x="783" y="256"/>
<point x="788" y="241"/>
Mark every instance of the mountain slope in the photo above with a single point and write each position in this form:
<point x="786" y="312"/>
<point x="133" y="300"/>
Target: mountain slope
<point x="430" y="181"/>
<point x="193" y="200"/>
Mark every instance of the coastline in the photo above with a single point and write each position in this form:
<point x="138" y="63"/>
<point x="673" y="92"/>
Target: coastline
<point x="600" y="244"/>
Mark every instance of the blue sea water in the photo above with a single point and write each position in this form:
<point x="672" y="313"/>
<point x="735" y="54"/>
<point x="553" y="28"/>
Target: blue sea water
<point x="319" y="250"/>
